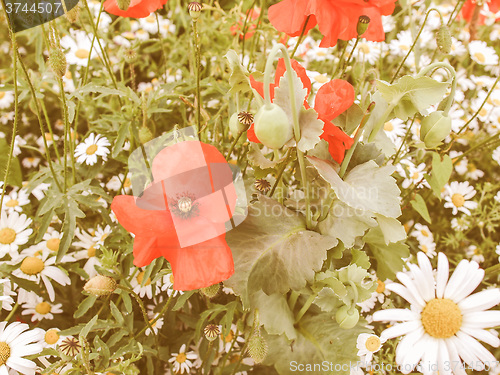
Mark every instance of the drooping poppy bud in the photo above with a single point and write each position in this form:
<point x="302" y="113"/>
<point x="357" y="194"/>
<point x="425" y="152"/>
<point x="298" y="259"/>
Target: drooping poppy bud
<point x="257" y="347"/>
<point x="100" y="285"/>
<point x="346" y="318"/>
<point x="272" y="127"/>
<point x="435" y="127"/>
<point x="443" y="39"/>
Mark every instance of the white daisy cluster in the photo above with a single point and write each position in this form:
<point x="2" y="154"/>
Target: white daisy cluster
<point x="425" y="239"/>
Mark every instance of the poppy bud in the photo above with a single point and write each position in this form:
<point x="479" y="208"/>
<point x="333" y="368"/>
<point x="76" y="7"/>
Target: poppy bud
<point x="211" y="332"/>
<point x="257" y="347"/>
<point x="123" y="4"/>
<point x="434" y="128"/>
<point x="345" y="318"/>
<point x="57" y="62"/>
<point x="443" y="39"/>
<point x="100" y="285"/>
<point x="211" y="291"/>
<point x="272" y="127"/>
<point x="195" y="10"/>
<point x="362" y="26"/>
<point x="145" y="134"/>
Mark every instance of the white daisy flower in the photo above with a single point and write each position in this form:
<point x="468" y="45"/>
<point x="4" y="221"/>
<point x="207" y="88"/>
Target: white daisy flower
<point x="30" y="162"/>
<point x="49" y="138"/>
<point x="6" y="117"/>
<point x="16" y="341"/>
<point x="91" y="148"/>
<point x="89" y="246"/>
<point x="497" y="250"/>
<point x="149" y="23"/>
<point x="367" y="51"/>
<point x="167" y="27"/>
<point x="395" y="129"/>
<point x="79" y="44"/>
<point x="457" y="195"/>
<point x="14" y="231"/>
<point x="18" y="143"/>
<point x="36" y="267"/>
<point x="142" y="290"/>
<point x="459" y="224"/>
<point x="51" y="338"/>
<point x="415" y="174"/>
<point x="475" y="253"/>
<point x="15" y="201"/>
<point x="41" y="309"/>
<point x="457" y="47"/>
<point x="473" y="172"/>
<point x="422" y="233"/>
<point x="445" y="321"/>
<point x="182" y="360"/>
<point x="156" y="325"/>
<point x="367" y="345"/>
<point x="6" y="294"/>
<point x="168" y="285"/>
<point x="116" y="182"/>
<point x="6" y="99"/>
<point x="496" y="155"/>
<point x="39" y="190"/>
<point x="225" y="342"/>
<point x="482" y="54"/>
<point x="100" y="235"/>
<point x="428" y="247"/>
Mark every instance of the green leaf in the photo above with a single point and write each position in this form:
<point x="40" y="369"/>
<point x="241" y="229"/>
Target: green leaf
<point x="411" y="95"/>
<point x="389" y="257"/>
<point x="239" y="74"/>
<point x="441" y="172"/>
<point x="116" y="313"/>
<point x="84" y="306"/>
<point x="419" y="205"/>
<point x="94" y="88"/>
<point x="15" y="177"/>
<point x="282" y="95"/>
<point x="273" y="251"/>
<point x="127" y="302"/>
<point x="71" y="212"/>
<point x="181" y="300"/>
<point x="326" y="300"/>
<point x="274" y="314"/>
<point x="85" y="331"/>
<point x="391" y="228"/>
<point x="360" y="258"/>
<point x="311" y="129"/>
<point x="258" y="159"/>
<point x="350" y="119"/>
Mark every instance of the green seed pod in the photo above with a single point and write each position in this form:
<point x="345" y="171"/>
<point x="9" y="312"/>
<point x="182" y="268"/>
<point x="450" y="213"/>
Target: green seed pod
<point x="434" y="128"/>
<point x="257" y="347"/>
<point x="362" y="26"/>
<point x="123" y="4"/>
<point x="57" y="62"/>
<point x="100" y="285"/>
<point x="211" y="332"/>
<point x="272" y="127"/>
<point x="145" y="134"/>
<point x="211" y="291"/>
<point x="195" y="10"/>
<point x="443" y="39"/>
<point x="346" y="320"/>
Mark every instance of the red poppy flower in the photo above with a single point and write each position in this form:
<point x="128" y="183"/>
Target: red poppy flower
<point x="332" y="99"/>
<point x="336" y="19"/>
<point x="253" y="15"/>
<point x="470" y="6"/>
<point x="182" y="214"/>
<point x="136" y="9"/>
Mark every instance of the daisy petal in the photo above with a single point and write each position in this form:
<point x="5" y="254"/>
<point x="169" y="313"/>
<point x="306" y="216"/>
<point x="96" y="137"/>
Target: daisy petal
<point x="442" y="275"/>
<point x="483" y="300"/>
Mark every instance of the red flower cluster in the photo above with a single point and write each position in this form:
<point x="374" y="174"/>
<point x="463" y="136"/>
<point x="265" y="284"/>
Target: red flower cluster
<point x="470" y="6"/>
<point x="336" y="19"/>
<point x="332" y="99"/>
<point x="136" y="9"/>
<point x="182" y="215"/>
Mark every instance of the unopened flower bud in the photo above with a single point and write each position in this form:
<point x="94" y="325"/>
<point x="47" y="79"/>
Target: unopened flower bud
<point x="129" y="55"/>
<point x="123" y="4"/>
<point x="211" y="332"/>
<point x="195" y="10"/>
<point x="100" y="285"/>
<point x="434" y="128"/>
<point x="443" y="39"/>
<point x="211" y="291"/>
<point x="145" y="135"/>
<point x="362" y="25"/>
<point x="347" y="318"/>
<point x="57" y="62"/>
<point x="272" y="127"/>
<point x="257" y="347"/>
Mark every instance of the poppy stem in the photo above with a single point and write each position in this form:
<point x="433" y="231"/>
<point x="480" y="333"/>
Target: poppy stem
<point x="301" y="37"/>
<point x="350" y="56"/>
<point x="197" y="63"/>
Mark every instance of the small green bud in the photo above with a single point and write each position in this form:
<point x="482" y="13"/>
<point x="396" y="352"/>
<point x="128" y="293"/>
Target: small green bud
<point x="145" y="134"/>
<point x="100" y="285"/>
<point x="345" y="318"/>
<point x="272" y="127"/>
<point x="195" y="10"/>
<point x="362" y="26"/>
<point x="57" y="62"/>
<point x="257" y="347"/>
<point x="211" y="291"/>
<point x="443" y="39"/>
<point x="434" y="128"/>
<point x="123" y="4"/>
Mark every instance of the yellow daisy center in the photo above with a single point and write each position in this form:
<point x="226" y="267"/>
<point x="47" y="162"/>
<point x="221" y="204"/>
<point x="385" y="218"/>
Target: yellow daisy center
<point x="150" y="19"/>
<point x="7" y="236"/>
<point x="483" y="112"/>
<point x="4" y="353"/>
<point x="53" y="244"/>
<point x="380" y="286"/>
<point x="171" y="278"/>
<point x="229" y="337"/>
<point x="415" y="176"/>
<point x="2" y="94"/>
<point x="441" y="318"/>
<point x="424" y="248"/>
<point x="82" y="53"/>
<point x="471" y="167"/>
<point x="51" y="336"/>
<point x="43" y="308"/>
<point x="12" y="203"/>
<point x="424" y="233"/>
<point x="127" y="183"/>
<point x="480" y="57"/>
<point x="321" y="78"/>
<point x="91" y="251"/>
<point x="372" y="343"/>
<point x="32" y="265"/>
<point x="458" y="200"/>
<point x="91" y="149"/>
<point x="365" y="48"/>
<point x="181" y="358"/>
<point x="140" y="277"/>
<point x="388" y="126"/>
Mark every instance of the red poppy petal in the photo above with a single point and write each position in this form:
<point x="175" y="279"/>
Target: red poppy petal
<point x="338" y="141"/>
<point x="137" y="9"/>
<point x="258" y="86"/>
<point x="333" y="98"/>
<point x="299" y="69"/>
<point x="202" y="265"/>
<point x="289" y="16"/>
<point x="145" y="251"/>
<point x="251" y="134"/>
